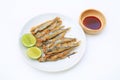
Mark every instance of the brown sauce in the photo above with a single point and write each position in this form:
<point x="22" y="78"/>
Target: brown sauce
<point x="92" y="22"/>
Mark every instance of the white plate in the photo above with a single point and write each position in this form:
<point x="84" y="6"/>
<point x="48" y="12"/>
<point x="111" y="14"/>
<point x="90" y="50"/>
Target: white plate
<point x="60" y="65"/>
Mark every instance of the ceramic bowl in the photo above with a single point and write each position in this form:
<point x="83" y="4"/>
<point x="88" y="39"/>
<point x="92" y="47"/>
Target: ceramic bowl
<point x="95" y="13"/>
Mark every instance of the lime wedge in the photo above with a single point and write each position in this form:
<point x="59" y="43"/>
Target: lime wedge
<point x="28" y="40"/>
<point x="34" y="52"/>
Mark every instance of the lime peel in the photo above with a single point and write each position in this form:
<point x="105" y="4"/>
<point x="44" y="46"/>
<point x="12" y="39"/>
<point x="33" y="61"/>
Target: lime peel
<point x="28" y="40"/>
<point x="34" y="52"/>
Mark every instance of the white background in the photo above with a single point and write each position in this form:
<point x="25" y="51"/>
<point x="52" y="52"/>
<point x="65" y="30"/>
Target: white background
<point x="102" y="56"/>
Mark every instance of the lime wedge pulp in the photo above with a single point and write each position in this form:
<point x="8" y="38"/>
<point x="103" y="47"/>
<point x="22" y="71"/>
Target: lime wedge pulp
<point x="28" y="40"/>
<point x="34" y="52"/>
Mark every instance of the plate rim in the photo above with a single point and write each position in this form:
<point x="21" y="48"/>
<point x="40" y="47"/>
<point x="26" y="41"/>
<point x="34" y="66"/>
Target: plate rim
<point x="61" y="70"/>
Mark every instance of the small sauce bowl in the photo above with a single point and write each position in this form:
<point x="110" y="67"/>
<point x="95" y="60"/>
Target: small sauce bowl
<point x="92" y="21"/>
